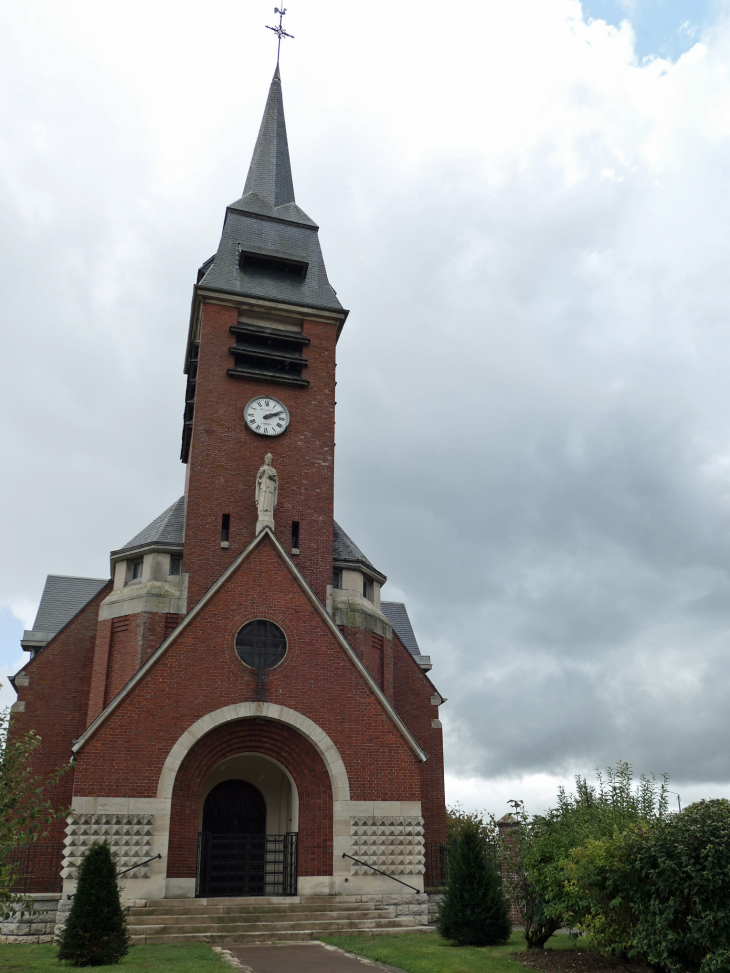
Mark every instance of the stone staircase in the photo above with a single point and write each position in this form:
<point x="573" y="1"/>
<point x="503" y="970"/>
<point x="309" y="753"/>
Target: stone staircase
<point x="265" y="920"/>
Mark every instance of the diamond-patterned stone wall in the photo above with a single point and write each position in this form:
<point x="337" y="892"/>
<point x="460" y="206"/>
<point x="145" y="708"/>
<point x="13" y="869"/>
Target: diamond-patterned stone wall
<point x="391" y="843"/>
<point x="130" y="835"/>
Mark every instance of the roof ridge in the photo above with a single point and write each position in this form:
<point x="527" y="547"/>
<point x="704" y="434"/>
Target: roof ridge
<point x="76" y="577"/>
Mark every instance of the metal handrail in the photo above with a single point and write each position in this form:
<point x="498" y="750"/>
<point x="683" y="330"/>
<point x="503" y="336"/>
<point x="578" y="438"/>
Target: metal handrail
<point x="131" y="867"/>
<point x="139" y="865"/>
<point x="418" y="891"/>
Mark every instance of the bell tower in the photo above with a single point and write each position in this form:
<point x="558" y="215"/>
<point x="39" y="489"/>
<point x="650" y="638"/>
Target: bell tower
<point x="260" y="363"/>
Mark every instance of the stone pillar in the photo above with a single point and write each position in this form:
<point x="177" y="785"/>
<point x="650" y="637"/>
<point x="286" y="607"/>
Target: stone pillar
<point x="506" y="826"/>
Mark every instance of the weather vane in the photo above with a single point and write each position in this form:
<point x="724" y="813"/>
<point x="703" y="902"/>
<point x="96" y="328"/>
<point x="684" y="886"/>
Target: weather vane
<point x="279" y="31"/>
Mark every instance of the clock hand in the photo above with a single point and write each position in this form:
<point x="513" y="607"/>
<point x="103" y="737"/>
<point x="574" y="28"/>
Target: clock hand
<point x="270" y="415"/>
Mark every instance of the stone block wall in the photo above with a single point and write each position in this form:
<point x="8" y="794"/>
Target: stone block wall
<point x="391" y="843"/>
<point x="434" y="904"/>
<point x="36" y="926"/>
<point x="130" y="837"/>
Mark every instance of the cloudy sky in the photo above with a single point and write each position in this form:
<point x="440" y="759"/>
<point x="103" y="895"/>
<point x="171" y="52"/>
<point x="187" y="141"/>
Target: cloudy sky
<point x="525" y="206"/>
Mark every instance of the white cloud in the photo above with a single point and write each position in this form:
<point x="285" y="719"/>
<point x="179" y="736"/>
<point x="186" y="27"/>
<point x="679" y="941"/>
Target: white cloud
<point x="530" y="228"/>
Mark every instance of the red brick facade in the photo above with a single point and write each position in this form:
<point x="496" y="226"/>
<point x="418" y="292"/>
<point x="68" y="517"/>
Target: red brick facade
<point x="122" y="645"/>
<point x="59" y="718"/>
<point x="413" y="702"/>
<point x="225" y="457"/>
<point x="376" y="653"/>
<point x="200" y="673"/>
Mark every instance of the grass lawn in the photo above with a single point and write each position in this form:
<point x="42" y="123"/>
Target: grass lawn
<point x="426" y="952"/>
<point x="198" y="958"/>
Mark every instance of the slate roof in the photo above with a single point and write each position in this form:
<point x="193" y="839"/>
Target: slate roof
<point x="346" y="551"/>
<point x="269" y="175"/>
<point x="397" y="615"/>
<point x="62" y="598"/>
<point x="266" y="220"/>
<point x="167" y="529"/>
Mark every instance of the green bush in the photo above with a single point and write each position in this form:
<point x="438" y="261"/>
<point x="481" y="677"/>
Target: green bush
<point x="662" y="892"/>
<point x="473" y="911"/>
<point x="598" y="879"/>
<point x="537" y="852"/>
<point x="96" y="930"/>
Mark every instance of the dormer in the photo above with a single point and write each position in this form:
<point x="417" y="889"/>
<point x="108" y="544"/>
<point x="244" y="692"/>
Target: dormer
<point x="148" y="571"/>
<point x="353" y="598"/>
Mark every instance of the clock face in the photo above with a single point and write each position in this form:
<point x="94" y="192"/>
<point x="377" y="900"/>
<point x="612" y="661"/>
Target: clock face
<point x="266" y="416"/>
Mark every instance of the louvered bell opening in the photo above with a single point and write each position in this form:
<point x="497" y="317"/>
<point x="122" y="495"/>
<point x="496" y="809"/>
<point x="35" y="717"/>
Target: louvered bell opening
<point x="267" y="265"/>
<point x="261" y="352"/>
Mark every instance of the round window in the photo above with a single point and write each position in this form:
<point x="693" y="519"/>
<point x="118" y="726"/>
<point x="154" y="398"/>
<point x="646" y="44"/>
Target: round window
<point x="261" y="644"/>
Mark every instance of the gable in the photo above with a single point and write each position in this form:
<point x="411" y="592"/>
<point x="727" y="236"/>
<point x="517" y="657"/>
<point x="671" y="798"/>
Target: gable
<point x="196" y="669"/>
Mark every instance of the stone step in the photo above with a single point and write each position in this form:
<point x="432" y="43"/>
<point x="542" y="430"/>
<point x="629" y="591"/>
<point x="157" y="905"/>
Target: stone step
<point x="234" y="928"/>
<point x="253" y="904"/>
<point x="298" y="936"/>
<point x="142" y="918"/>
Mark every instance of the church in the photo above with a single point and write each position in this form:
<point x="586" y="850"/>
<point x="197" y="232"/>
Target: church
<point x="244" y="713"/>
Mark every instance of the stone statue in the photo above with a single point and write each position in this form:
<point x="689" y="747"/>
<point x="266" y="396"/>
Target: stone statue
<point x="267" y="494"/>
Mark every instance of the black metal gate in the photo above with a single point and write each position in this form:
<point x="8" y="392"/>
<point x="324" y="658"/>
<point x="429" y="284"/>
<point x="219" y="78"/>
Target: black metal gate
<point x="246" y="864"/>
<point x="36" y="866"/>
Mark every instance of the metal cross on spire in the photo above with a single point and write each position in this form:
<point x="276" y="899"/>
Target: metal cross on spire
<point x="279" y="31"/>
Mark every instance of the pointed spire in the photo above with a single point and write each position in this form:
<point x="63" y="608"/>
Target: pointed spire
<point x="269" y="175"/>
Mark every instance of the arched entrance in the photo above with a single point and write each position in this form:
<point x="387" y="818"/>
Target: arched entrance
<point x="282" y="764"/>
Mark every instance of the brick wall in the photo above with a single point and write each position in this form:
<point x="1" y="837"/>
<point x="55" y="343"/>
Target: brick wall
<point x="274" y="740"/>
<point x="122" y="645"/>
<point x="201" y="672"/>
<point x="412" y="696"/>
<point x="225" y="457"/>
<point x="376" y="654"/>
<point x="56" y="700"/>
<point x="133" y="640"/>
<point x="506" y="828"/>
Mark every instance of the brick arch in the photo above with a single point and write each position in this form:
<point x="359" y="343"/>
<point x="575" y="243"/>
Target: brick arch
<point x="254" y="735"/>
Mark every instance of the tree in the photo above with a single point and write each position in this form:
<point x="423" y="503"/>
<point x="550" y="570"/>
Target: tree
<point x="96" y="930"/>
<point x="538" y="851"/>
<point x="457" y="819"/>
<point x="25" y="813"/>
<point x="473" y="911"/>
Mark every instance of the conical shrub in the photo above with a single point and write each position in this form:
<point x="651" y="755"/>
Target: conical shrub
<point x="473" y="910"/>
<point x="96" y="930"/>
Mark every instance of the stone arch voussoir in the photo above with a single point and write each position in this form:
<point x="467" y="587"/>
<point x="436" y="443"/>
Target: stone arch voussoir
<point x="269" y="711"/>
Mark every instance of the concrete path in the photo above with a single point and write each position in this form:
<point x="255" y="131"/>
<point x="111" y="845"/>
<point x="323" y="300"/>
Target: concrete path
<point x="304" y="958"/>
